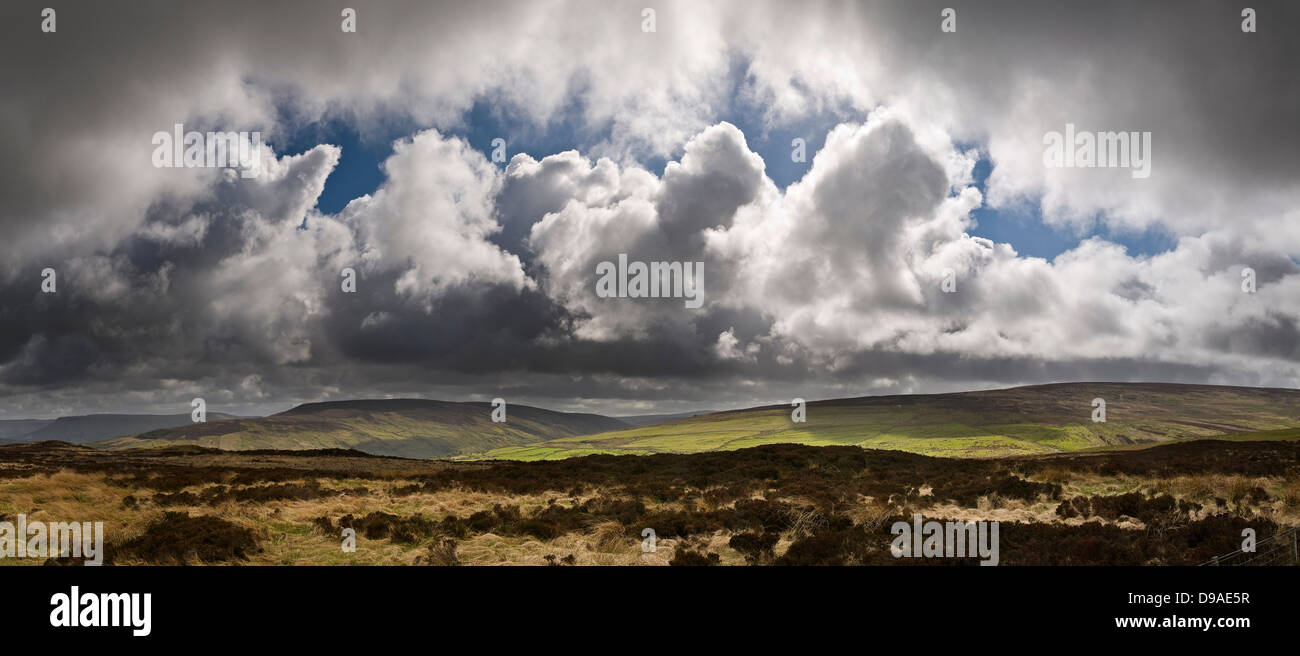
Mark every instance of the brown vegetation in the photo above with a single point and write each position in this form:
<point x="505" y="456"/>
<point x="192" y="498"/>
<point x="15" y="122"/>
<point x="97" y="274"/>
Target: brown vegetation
<point x="773" y="505"/>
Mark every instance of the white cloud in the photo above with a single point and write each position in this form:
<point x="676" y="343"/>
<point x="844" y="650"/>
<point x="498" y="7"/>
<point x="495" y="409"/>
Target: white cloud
<point x="432" y="219"/>
<point x="840" y="272"/>
<point x="850" y="260"/>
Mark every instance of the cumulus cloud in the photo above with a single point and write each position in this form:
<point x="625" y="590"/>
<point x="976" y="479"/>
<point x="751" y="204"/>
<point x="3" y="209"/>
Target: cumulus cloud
<point x="432" y="219"/>
<point x="473" y="277"/>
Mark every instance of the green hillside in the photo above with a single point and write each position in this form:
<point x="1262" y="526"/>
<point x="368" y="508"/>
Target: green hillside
<point x="1022" y="420"/>
<point x="410" y="428"/>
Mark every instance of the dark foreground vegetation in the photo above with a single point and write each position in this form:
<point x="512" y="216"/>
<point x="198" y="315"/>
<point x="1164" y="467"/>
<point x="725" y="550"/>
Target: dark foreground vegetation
<point x="1178" y="504"/>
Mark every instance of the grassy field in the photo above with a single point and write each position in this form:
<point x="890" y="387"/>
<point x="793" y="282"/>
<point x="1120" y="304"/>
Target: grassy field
<point x="1171" y="504"/>
<point x="1019" y="421"/>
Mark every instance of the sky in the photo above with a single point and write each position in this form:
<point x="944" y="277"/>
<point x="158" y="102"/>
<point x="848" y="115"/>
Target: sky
<point x="926" y="242"/>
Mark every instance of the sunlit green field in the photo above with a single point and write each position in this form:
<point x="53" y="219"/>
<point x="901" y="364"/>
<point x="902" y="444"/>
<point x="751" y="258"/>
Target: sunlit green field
<point x="1020" y="421"/>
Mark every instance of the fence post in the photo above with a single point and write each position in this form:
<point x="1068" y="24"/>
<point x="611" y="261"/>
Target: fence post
<point x="1214" y="561"/>
<point x="1295" y="548"/>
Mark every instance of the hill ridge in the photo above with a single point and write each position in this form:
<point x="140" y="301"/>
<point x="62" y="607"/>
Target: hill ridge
<point x="1045" y="418"/>
<point x="410" y="428"/>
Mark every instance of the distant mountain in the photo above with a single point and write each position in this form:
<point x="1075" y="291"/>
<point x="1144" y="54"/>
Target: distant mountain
<point x="81" y="429"/>
<point x="413" y="428"/>
<point x="12" y="429"/>
<point x="647" y="420"/>
<point x="1021" y="420"/>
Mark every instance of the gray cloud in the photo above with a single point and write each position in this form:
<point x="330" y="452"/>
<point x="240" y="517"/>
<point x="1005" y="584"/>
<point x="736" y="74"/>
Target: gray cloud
<point x="475" y="279"/>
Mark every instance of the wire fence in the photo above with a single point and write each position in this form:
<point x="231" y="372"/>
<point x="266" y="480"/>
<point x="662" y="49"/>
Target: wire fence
<point x="1282" y="548"/>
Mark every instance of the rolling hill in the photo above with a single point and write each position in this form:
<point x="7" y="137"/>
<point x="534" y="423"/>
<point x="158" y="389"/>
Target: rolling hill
<point x="1022" y="420"/>
<point x="12" y="430"/>
<point x="82" y="429"/>
<point x="412" y="428"/>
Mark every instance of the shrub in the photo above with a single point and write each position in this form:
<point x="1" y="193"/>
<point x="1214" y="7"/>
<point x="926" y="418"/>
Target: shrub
<point x="692" y="558"/>
<point x="441" y="553"/>
<point x="755" y="547"/>
<point x="178" y="538"/>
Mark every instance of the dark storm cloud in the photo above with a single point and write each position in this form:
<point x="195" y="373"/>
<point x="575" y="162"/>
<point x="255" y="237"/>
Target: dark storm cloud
<point x="474" y="278"/>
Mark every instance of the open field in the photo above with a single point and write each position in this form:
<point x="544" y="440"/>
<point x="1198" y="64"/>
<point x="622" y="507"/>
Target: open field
<point x="777" y="504"/>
